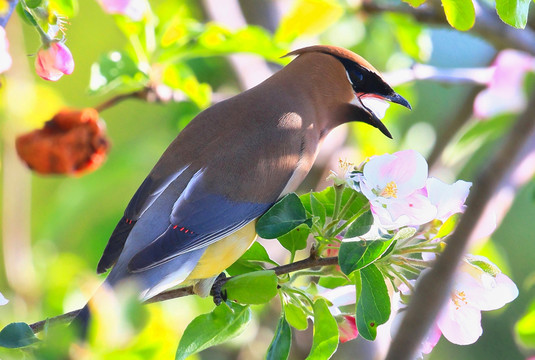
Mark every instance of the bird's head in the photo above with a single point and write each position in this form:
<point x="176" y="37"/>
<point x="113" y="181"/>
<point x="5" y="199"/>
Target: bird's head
<point x="370" y="92"/>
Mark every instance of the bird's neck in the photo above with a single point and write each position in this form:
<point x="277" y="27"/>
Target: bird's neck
<point x="318" y="81"/>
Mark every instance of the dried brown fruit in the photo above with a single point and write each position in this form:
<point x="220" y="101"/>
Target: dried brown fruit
<point x="74" y="141"/>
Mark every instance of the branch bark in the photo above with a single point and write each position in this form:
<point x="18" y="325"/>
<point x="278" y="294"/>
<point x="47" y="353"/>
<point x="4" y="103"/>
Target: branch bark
<point x="188" y="290"/>
<point x="488" y="25"/>
<point x="433" y="288"/>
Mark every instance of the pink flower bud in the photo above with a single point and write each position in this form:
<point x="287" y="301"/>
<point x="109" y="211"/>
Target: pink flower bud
<point x="347" y="328"/>
<point x="5" y="58"/>
<point x="54" y="61"/>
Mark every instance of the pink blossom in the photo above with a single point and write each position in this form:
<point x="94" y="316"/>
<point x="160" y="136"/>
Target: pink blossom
<point x="54" y="61"/>
<point x="339" y="297"/>
<point x="394" y="184"/>
<point x="478" y="286"/>
<point x="347" y="327"/>
<point x="505" y="91"/>
<point x="134" y="9"/>
<point x="449" y="199"/>
<point x="5" y="58"/>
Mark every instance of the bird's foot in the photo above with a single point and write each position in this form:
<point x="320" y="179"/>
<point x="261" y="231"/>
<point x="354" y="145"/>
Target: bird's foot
<point x="216" y="292"/>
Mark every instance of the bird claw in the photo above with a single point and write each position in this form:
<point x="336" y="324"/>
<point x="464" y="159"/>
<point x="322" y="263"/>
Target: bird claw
<point x="216" y="292"/>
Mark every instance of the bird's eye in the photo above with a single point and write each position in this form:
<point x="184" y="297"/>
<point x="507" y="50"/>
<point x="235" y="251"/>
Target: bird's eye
<point x="355" y="76"/>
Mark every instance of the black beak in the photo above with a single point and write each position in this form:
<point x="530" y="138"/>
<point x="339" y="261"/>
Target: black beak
<point x="367" y="116"/>
<point x="398" y="99"/>
<point x="374" y="121"/>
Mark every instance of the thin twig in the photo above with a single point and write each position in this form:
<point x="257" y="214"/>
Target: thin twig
<point x="186" y="291"/>
<point x="433" y="288"/>
<point x="140" y="94"/>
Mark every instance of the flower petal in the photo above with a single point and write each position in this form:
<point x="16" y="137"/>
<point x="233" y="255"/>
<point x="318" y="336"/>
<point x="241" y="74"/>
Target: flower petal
<point x="460" y="325"/>
<point x="3" y="300"/>
<point x="412" y="210"/>
<point x="5" y="57"/>
<point x="449" y="199"/>
<point x="431" y="339"/>
<point x="340" y="296"/>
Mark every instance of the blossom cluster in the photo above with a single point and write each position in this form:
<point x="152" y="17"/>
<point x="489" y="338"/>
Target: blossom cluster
<point x="401" y="194"/>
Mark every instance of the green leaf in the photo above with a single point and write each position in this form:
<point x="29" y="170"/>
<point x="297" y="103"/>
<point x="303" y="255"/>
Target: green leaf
<point x="225" y="322"/>
<point x="360" y="226"/>
<point x="17" y="335"/>
<point x="486" y="130"/>
<point x="355" y="255"/>
<point x="414" y="3"/>
<point x="332" y="281"/>
<point x="325" y="338"/>
<point x="287" y="214"/>
<point x="513" y="12"/>
<point x="67" y="8"/>
<point x="25" y="15"/>
<point x="448" y="226"/>
<point x="252" y="288"/>
<point x="460" y="13"/>
<point x="373" y="302"/>
<point x="296" y="316"/>
<point x="279" y="349"/>
<point x="180" y="76"/>
<point x="412" y="36"/>
<point x="218" y="40"/>
<point x="404" y="233"/>
<point x="250" y="260"/>
<point x="32" y="4"/>
<point x="318" y="209"/>
<point x="116" y="71"/>
<point x="257" y="253"/>
<point x="295" y="239"/>
<point x="326" y="197"/>
<point x="525" y="328"/>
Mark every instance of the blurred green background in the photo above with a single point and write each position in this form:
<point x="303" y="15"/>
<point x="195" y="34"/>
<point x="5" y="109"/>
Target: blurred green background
<point x="55" y="228"/>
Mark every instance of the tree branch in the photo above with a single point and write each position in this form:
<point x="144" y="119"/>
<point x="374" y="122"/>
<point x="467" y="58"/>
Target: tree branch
<point x="488" y="25"/>
<point x="433" y="288"/>
<point x="188" y="290"/>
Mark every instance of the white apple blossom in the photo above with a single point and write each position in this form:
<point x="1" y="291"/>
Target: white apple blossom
<point x="394" y="184"/>
<point x="478" y="286"/>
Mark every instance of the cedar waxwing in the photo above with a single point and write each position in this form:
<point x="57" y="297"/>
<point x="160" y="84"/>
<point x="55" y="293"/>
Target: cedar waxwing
<point x="195" y="213"/>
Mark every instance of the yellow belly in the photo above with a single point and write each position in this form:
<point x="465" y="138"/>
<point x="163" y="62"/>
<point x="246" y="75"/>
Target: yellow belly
<point x="223" y="253"/>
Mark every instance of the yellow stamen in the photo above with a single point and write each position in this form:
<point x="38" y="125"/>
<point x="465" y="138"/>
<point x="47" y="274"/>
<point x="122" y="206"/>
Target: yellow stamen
<point x="390" y="190"/>
<point x="459" y="299"/>
<point x="344" y="164"/>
